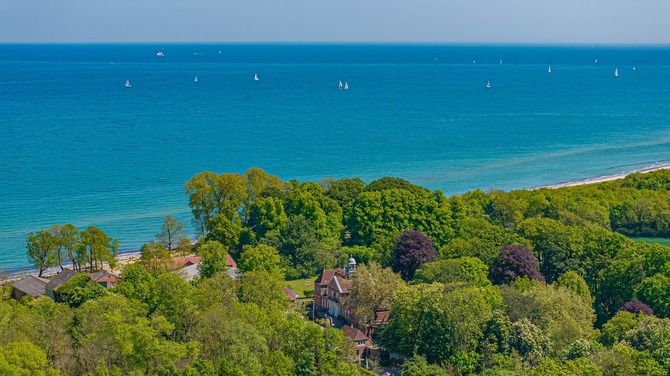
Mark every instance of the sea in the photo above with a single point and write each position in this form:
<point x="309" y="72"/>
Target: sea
<point x="77" y="146"/>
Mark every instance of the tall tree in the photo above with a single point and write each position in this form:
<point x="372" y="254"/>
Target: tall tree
<point x="412" y="250"/>
<point x="260" y="257"/>
<point x="172" y="231"/>
<point x="372" y="289"/>
<point x="214" y="258"/>
<point x="41" y="248"/>
<point x="68" y="242"/>
<point x="98" y="248"/>
<point x="515" y="261"/>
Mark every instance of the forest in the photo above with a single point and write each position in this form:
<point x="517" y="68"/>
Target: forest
<point x="537" y="282"/>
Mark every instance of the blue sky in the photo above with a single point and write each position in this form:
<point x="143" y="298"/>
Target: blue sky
<point x="431" y="21"/>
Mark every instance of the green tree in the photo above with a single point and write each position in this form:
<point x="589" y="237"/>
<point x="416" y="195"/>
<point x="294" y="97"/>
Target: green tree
<point x="154" y="256"/>
<point x="24" y="359"/>
<point x="418" y="366"/>
<point x="260" y="257"/>
<point x="345" y="191"/>
<point x="172" y="231"/>
<point x="214" y="258"/>
<point x="469" y="270"/>
<point x="263" y="289"/>
<point x="655" y="291"/>
<point x="372" y="289"/>
<point x="97" y="247"/>
<point x="573" y="281"/>
<point x="79" y="289"/>
<point x="41" y="248"/>
<point x="222" y="229"/>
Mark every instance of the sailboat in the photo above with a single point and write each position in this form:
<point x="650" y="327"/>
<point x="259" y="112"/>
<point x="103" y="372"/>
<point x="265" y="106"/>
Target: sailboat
<point x="596" y="61"/>
<point x="339" y="85"/>
<point x="128" y="85"/>
<point x="488" y="84"/>
<point x="616" y="72"/>
<point x="634" y="69"/>
<point x="160" y="53"/>
<point x="195" y="79"/>
<point x="346" y="86"/>
<point x="549" y="70"/>
<point x="500" y="61"/>
<point x="256" y="77"/>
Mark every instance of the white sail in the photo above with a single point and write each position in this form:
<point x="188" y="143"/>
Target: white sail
<point x="596" y="61"/>
<point x="616" y="72"/>
<point x="127" y="83"/>
<point x="256" y="77"/>
<point x="500" y="61"/>
<point x="549" y="70"/>
<point x="160" y="53"/>
<point x="339" y="85"/>
<point x="346" y="86"/>
<point x="634" y="69"/>
<point x="488" y="84"/>
<point x="195" y="79"/>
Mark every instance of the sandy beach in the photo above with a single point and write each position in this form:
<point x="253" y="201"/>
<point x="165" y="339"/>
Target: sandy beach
<point x="603" y="179"/>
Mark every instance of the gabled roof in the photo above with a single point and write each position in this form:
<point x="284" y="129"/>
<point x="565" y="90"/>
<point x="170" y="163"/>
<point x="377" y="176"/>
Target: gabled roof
<point x="340" y="284"/>
<point x="290" y="293"/>
<point x="62" y="278"/>
<point x="327" y="275"/>
<point x="31" y="285"/>
<point x="230" y="262"/>
<point x="188" y="260"/>
<point x="99" y="274"/>
<point x="354" y="334"/>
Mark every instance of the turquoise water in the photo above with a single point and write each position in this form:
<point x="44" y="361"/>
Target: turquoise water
<point x="77" y="147"/>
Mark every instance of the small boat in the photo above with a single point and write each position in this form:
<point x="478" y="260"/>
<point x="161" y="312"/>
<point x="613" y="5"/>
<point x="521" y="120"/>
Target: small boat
<point x="474" y="62"/>
<point x="195" y="79"/>
<point x="339" y="85"/>
<point x="549" y="69"/>
<point x="634" y="69"/>
<point x="128" y="85"/>
<point x="256" y="77"/>
<point x="346" y="86"/>
<point x="500" y="61"/>
<point x="160" y="53"/>
<point x="488" y="84"/>
<point x="616" y="72"/>
<point x="596" y="61"/>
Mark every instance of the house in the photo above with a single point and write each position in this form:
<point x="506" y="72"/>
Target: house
<point x="30" y="285"/>
<point x="62" y="278"/>
<point x="331" y="287"/>
<point x="105" y="278"/>
<point x="290" y="294"/>
<point x="363" y="345"/>
<point x="182" y="262"/>
<point x="230" y="262"/>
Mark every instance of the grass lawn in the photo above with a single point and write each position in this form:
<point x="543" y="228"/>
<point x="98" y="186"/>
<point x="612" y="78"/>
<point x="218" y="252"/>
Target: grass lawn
<point x="300" y="285"/>
<point x="661" y="241"/>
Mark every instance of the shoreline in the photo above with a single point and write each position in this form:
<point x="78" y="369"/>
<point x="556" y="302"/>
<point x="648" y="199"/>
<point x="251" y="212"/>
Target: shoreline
<point x="603" y="179"/>
<point x="131" y="255"/>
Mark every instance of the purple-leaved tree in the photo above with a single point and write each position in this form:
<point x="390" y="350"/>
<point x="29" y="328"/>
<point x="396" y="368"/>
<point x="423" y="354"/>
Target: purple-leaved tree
<point x="515" y="261"/>
<point x="635" y="306"/>
<point x="412" y="250"/>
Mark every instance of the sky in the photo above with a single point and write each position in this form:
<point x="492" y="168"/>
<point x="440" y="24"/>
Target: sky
<point x="361" y="21"/>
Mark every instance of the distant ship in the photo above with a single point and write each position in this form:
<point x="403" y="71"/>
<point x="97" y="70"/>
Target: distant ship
<point x="160" y="53"/>
<point x="634" y="69"/>
<point x="596" y="61"/>
<point x="256" y="77"/>
<point x="500" y="61"/>
<point x="488" y="84"/>
<point x="128" y="85"/>
<point x="339" y="85"/>
<point x="549" y="70"/>
<point x="616" y="72"/>
<point x="346" y="86"/>
<point x="195" y="79"/>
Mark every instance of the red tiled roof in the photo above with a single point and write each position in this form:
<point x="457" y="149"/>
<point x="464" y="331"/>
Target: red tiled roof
<point x="327" y="275"/>
<point x="230" y="262"/>
<point x="188" y="260"/>
<point x="289" y="293"/>
<point x="381" y="316"/>
<point x="340" y="284"/>
<point x="354" y="334"/>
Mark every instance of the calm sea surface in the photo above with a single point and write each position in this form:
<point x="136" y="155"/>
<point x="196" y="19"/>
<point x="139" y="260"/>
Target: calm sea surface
<point x="78" y="147"/>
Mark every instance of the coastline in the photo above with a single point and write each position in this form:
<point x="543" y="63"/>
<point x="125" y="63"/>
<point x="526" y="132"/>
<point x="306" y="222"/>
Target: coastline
<point x="602" y="179"/>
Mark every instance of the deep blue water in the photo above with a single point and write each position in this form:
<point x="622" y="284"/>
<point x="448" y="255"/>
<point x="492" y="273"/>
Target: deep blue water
<point x="77" y="147"/>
